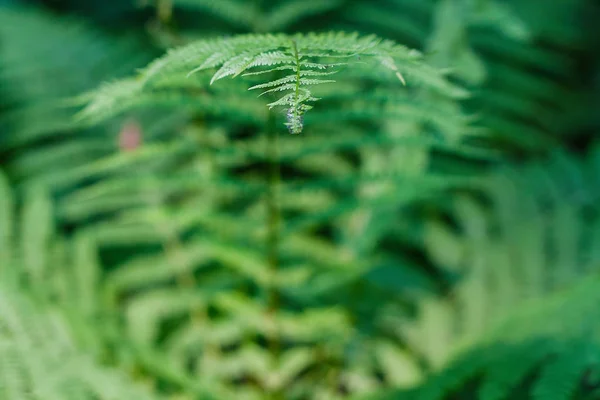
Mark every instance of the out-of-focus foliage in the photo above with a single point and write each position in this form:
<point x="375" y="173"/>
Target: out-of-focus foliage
<point x="533" y="354"/>
<point x="39" y="357"/>
<point x="40" y="361"/>
<point x="180" y="235"/>
<point x="505" y="243"/>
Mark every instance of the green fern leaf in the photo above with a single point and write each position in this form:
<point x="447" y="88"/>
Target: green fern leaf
<point x="39" y="360"/>
<point x="306" y="57"/>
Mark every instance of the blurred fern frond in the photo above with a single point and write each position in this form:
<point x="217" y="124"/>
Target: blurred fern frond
<point x="525" y="233"/>
<point x="40" y="357"/>
<point x="519" y="59"/>
<point x="547" y="349"/>
<point x="39" y="360"/>
<point x="37" y="72"/>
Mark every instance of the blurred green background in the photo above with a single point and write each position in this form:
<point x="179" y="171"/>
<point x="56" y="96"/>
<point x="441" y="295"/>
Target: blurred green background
<point x="403" y="246"/>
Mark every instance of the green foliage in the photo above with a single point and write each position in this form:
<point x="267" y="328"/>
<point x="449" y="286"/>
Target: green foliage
<point x="505" y="243"/>
<point x="533" y="354"/>
<point x="40" y="140"/>
<point x="303" y="61"/>
<point x="39" y="358"/>
<point x="519" y="61"/>
<point x="40" y="361"/>
<point x="182" y="238"/>
<point x="249" y="15"/>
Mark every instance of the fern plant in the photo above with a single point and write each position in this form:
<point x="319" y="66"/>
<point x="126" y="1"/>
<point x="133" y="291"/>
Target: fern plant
<point x="286" y="275"/>
<point x="192" y="245"/>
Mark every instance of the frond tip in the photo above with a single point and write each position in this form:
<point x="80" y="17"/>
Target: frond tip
<point x="291" y="66"/>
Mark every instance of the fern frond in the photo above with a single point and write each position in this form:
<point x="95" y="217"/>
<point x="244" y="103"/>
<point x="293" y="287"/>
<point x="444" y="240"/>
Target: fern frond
<point x="39" y="360"/>
<point x="535" y="338"/>
<point x="308" y="58"/>
<point x="480" y="39"/>
<point x="216" y="259"/>
<point x="517" y="246"/>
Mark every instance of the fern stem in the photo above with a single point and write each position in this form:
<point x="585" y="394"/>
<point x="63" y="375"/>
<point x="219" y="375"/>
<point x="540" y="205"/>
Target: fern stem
<point x="294" y="122"/>
<point x="273" y="237"/>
